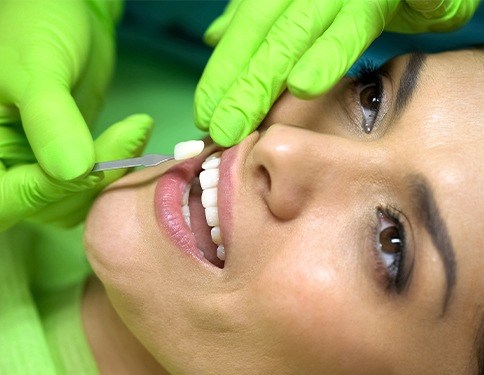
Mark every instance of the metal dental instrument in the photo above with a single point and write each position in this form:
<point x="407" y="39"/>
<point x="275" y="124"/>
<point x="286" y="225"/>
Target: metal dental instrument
<point x="182" y="151"/>
<point x="149" y="160"/>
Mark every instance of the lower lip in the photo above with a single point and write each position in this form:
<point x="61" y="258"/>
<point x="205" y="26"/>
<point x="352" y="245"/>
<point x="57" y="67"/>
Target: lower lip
<point x="168" y="197"/>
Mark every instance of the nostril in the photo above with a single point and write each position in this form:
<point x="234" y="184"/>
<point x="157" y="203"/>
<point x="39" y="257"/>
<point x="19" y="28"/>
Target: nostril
<point x="265" y="177"/>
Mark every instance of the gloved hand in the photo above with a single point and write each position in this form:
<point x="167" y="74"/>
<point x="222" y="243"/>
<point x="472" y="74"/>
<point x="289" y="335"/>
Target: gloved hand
<point x="26" y="191"/>
<point x="56" y="60"/>
<point x="307" y="45"/>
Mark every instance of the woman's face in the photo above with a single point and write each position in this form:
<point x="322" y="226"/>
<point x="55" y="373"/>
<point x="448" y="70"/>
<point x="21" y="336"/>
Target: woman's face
<point x="352" y="228"/>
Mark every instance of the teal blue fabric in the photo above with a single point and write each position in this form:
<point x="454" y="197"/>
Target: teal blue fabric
<point x="176" y="27"/>
<point x="171" y="28"/>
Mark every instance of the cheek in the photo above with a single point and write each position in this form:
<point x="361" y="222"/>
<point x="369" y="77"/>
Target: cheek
<point x="106" y="231"/>
<point x="312" y="308"/>
<point x="120" y="249"/>
<point x="116" y="230"/>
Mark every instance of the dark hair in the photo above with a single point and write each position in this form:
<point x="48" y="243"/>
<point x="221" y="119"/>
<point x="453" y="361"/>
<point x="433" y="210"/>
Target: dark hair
<point x="479" y="345"/>
<point x="478" y="359"/>
<point x="480" y="332"/>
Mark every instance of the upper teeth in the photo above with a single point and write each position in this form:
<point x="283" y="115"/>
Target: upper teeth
<point x="209" y="183"/>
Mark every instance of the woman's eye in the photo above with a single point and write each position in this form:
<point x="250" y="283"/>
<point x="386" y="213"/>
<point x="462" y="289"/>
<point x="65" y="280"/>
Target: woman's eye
<point x="368" y="93"/>
<point x="390" y="245"/>
<point x="369" y="96"/>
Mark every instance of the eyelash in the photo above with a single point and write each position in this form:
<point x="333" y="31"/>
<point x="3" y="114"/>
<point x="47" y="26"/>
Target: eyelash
<point x="395" y="275"/>
<point x="368" y="75"/>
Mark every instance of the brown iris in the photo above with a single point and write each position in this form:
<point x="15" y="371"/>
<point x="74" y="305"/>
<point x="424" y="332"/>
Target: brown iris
<point x="390" y="240"/>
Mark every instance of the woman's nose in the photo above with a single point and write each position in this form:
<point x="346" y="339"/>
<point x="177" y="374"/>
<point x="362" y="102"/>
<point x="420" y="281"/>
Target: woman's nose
<point x="300" y="167"/>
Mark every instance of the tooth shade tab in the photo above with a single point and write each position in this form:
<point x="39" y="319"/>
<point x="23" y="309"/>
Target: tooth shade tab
<point x="188" y="149"/>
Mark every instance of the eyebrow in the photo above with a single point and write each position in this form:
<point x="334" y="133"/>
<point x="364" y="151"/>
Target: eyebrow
<point x="429" y="215"/>
<point x="409" y="80"/>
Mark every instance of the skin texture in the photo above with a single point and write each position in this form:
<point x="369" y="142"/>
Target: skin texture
<point x="301" y="291"/>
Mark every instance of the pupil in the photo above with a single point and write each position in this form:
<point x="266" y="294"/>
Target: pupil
<point x="390" y="240"/>
<point x="369" y="97"/>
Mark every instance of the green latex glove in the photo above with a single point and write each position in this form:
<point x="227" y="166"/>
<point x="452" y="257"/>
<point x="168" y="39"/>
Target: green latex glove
<point x="56" y="61"/>
<point x="306" y="45"/>
<point x="27" y="192"/>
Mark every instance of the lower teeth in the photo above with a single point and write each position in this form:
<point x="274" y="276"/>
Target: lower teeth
<point x="221" y="252"/>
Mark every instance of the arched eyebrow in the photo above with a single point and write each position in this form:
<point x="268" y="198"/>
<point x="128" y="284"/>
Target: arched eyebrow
<point x="429" y="215"/>
<point x="409" y="80"/>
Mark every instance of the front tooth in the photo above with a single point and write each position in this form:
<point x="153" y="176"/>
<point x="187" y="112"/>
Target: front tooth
<point x="214" y="155"/>
<point x="209" y="197"/>
<point x="209" y="178"/>
<point x="215" y="233"/>
<point x="211" y="163"/>
<point x="221" y="252"/>
<point x="211" y="214"/>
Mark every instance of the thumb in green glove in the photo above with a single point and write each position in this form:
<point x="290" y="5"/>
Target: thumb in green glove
<point x="26" y="191"/>
<point x="57" y="58"/>
<point x="307" y="45"/>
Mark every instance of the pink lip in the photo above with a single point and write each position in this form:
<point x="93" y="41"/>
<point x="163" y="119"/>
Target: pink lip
<point x="230" y="164"/>
<point x="168" y="201"/>
<point x="171" y="185"/>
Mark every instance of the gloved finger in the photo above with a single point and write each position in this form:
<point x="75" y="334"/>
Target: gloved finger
<point x="90" y="90"/>
<point x="245" y="34"/>
<point x="57" y="132"/>
<point x="14" y="148"/>
<point x="125" y="139"/>
<point x="260" y="84"/>
<point x="432" y="16"/>
<point x="435" y="7"/>
<point x="26" y="189"/>
<point x="333" y="54"/>
<point x="217" y="28"/>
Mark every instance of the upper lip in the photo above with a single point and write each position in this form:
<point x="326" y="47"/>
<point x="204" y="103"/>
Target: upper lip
<point x="231" y="165"/>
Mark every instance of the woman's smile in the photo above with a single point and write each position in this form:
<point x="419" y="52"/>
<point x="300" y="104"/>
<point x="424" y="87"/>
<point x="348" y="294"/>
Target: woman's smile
<point x="179" y="208"/>
<point x="193" y="202"/>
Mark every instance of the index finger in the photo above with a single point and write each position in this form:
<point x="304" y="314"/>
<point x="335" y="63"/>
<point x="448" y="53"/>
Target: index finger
<point x="355" y="27"/>
<point x="263" y="79"/>
<point x="248" y="29"/>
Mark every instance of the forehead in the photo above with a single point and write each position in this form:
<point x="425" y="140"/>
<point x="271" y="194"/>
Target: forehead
<point x="445" y="143"/>
<point x="442" y="128"/>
